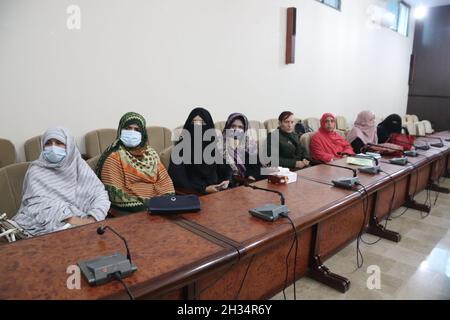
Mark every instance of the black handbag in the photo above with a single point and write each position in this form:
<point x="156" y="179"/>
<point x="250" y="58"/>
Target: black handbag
<point x="174" y="204"/>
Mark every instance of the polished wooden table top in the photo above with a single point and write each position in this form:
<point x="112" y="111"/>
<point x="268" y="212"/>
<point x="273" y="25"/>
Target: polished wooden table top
<point x="163" y="251"/>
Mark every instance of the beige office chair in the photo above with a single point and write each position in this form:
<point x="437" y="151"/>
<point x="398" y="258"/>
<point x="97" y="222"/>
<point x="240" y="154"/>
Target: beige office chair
<point x="420" y="128"/>
<point x="411" y="128"/>
<point x="341" y="123"/>
<point x="312" y="124"/>
<point x="97" y="141"/>
<point x="33" y="148"/>
<point x="7" y="153"/>
<point x="11" y="181"/>
<point x="164" y="156"/>
<point x="92" y="162"/>
<point x="305" y="141"/>
<point x="428" y="128"/>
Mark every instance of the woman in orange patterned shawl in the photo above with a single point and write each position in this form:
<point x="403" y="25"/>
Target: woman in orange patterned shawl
<point x="130" y="169"/>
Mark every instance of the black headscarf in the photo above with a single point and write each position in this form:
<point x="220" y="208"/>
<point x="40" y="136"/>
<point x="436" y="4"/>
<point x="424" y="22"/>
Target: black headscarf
<point x="190" y="175"/>
<point x="392" y="124"/>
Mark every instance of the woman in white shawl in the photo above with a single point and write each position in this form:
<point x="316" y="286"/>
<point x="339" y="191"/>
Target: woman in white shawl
<point x="60" y="190"/>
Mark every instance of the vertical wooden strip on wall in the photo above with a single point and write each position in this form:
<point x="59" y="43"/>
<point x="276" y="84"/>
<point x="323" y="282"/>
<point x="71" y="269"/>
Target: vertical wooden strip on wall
<point x="290" y="34"/>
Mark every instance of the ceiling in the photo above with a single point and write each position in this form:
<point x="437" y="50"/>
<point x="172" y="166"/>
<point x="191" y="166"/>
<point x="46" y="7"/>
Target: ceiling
<point x="428" y="3"/>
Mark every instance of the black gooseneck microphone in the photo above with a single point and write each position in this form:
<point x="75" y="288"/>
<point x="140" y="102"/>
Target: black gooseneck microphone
<point x="101" y="230"/>
<point x="346" y="183"/>
<point x="272" y="212"/>
<point x="268" y="212"/>
<point x="282" y="200"/>
<point x="355" y="174"/>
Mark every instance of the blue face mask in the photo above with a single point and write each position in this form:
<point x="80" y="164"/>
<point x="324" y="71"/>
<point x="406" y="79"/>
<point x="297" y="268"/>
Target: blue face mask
<point x="54" y="154"/>
<point x="131" y="138"/>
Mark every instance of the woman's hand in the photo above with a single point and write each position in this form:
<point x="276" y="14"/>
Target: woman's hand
<point x="300" y="164"/>
<point x="211" y="189"/>
<point x="223" y="185"/>
<point x="77" y="221"/>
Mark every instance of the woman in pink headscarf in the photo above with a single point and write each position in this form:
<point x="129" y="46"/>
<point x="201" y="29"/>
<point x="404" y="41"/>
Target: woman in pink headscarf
<point x="327" y="144"/>
<point x="363" y="132"/>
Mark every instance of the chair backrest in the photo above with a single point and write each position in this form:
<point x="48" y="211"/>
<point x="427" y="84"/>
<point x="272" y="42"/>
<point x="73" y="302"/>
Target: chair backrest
<point x="342" y="133"/>
<point x="256" y="126"/>
<point x="420" y="128"/>
<point x="253" y="124"/>
<point x="92" y="162"/>
<point x="272" y="124"/>
<point x="378" y="120"/>
<point x="165" y="156"/>
<point x="220" y="125"/>
<point x="97" y="141"/>
<point x="414" y="118"/>
<point x="428" y="127"/>
<point x="404" y="120"/>
<point x="33" y="148"/>
<point x="159" y="138"/>
<point x="7" y="153"/>
<point x="11" y="181"/>
<point x="305" y="141"/>
<point x="341" y="123"/>
<point x="411" y="128"/>
<point x="312" y="123"/>
<point x="176" y="133"/>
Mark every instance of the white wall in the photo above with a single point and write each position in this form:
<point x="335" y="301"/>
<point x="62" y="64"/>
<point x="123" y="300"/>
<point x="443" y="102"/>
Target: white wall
<point x="163" y="57"/>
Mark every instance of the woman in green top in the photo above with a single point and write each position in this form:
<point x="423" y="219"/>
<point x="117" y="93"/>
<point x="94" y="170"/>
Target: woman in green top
<point x="292" y="155"/>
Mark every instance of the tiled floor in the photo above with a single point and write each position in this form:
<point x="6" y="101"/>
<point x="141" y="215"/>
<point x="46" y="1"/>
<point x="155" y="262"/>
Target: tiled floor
<point x="418" y="267"/>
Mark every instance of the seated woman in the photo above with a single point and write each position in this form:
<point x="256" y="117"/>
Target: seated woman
<point x="363" y="132"/>
<point x="194" y="174"/>
<point x="327" y="144"/>
<point x="60" y="190"/>
<point x="130" y="169"/>
<point x="240" y="150"/>
<point x="392" y="124"/>
<point x="292" y="155"/>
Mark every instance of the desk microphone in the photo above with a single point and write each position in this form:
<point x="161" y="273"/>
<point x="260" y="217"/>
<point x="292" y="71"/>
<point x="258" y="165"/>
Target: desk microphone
<point x="101" y="230"/>
<point x="440" y="144"/>
<point x="102" y="269"/>
<point x="268" y="212"/>
<point x="402" y="161"/>
<point x="366" y="169"/>
<point x="346" y="183"/>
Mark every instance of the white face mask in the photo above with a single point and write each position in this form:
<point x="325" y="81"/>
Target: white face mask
<point x="54" y="154"/>
<point x="131" y="138"/>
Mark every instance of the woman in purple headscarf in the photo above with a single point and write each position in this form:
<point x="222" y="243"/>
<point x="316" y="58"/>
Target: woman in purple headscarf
<point x="240" y="150"/>
<point x="363" y="132"/>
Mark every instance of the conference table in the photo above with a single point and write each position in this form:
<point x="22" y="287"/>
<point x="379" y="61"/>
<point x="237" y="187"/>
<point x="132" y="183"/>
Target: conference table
<point x="223" y="252"/>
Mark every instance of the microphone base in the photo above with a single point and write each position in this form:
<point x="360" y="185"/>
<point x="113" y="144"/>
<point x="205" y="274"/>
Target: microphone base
<point x="424" y="147"/>
<point x="448" y="140"/>
<point x="399" y="161"/>
<point x="269" y="212"/>
<point x="346" y="183"/>
<point x="411" y="153"/>
<point x="437" y="145"/>
<point x="101" y="270"/>
<point x="370" y="170"/>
